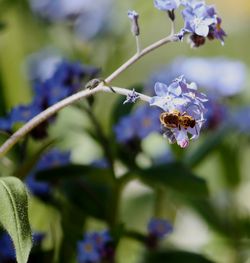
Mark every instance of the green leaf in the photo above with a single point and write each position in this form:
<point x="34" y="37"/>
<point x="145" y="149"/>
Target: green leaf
<point x="175" y="257"/>
<point x="208" y="146"/>
<point x="73" y="171"/>
<point x="14" y="215"/>
<point x="89" y="188"/>
<point x="32" y="160"/>
<point x="176" y="176"/>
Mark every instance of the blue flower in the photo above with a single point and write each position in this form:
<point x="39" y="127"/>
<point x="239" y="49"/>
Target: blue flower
<point x="166" y="5"/>
<point x="7" y="251"/>
<point x="93" y="247"/>
<point x="125" y="129"/>
<point x="201" y="21"/>
<point x="241" y="119"/>
<point x="208" y="73"/>
<point x="87" y="252"/>
<point x="5" y="124"/>
<point x="23" y="113"/>
<point x="180" y="99"/>
<point x="52" y="159"/>
<point x="216" y="114"/>
<point x="138" y="125"/>
<point x="88" y="18"/>
<point x="159" y="228"/>
<point x="146" y="121"/>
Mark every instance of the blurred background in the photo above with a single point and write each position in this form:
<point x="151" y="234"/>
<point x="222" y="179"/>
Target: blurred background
<point x="93" y="38"/>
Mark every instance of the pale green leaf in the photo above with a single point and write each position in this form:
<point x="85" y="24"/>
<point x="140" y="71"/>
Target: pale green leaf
<point x="14" y="215"/>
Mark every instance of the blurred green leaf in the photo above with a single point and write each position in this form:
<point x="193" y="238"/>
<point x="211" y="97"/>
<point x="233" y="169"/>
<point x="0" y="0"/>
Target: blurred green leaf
<point x="25" y="168"/>
<point x="176" y="176"/>
<point x="14" y="215"/>
<point x="230" y="162"/>
<point x="208" y="146"/>
<point x="175" y="257"/>
<point x="73" y="171"/>
<point x="88" y="187"/>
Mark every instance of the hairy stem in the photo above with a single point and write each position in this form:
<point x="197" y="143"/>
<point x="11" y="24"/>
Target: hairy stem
<point x="41" y="117"/>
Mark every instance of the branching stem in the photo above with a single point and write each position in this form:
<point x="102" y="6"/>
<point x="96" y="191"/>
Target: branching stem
<point x="41" y="117"/>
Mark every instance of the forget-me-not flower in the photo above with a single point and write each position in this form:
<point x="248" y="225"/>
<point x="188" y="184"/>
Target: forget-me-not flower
<point x="183" y="98"/>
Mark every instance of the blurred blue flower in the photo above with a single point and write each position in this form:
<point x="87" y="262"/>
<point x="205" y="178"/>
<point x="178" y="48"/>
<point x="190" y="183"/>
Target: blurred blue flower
<point x="23" y="113"/>
<point x="241" y="119"/>
<point x="7" y="251"/>
<point x="159" y="228"/>
<point x="216" y="114"/>
<point x="54" y="158"/>
<point x="125" y="129"/>
<point x="146" y="121"/>
<point x="201" y="21"/>
<point x="87" y="17"/>
<point x="166" y="5"/>
<point x="139" y="124"/>
<point x="93" y="247"/>
<point x="87" y="252"/>
<point x="67" y="79"/>
<point x="180" y="98"/>
<point x="5" y="124"/>
<point x="101" y="163"/>
<point x="208" y="73"/>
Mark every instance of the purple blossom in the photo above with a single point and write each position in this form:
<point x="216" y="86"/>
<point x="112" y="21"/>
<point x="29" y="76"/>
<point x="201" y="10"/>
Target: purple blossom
<point x="166" y="5"/>
<point x="183" y="98"/>
<point x="201" y="21"/>
<point x="159" y="228"/>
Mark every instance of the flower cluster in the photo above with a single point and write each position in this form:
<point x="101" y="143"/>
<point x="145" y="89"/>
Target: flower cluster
<point x="52" y="159"/>
<point x="94" y="247"/>
<point x="184" y="108"/>
<point x="158" y="229"/>
<point x="67" y="78"/>
<point x="201" y="20"/>
<point x="137" y="125"/>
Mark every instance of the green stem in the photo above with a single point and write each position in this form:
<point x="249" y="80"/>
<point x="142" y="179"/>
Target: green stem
<point x="159" y="202"/>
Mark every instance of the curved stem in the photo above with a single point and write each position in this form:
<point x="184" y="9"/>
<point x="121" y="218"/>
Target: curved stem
<point x="38" y="119"/>
<point x="19" y="134"/>
<point x="137" y="56"/>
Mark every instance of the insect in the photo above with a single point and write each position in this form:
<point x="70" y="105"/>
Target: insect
<point x="177" y="119"/>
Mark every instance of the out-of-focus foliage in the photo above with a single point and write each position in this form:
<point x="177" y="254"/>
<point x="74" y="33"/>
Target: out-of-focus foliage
<point x="103" y="165"/>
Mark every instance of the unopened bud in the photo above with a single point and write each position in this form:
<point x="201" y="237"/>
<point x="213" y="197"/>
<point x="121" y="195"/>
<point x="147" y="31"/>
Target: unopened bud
<point x="134" y="16"/>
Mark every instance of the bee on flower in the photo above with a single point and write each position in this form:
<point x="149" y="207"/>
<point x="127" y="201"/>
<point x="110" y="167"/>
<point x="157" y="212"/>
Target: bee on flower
<point x="183" y="108"/>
